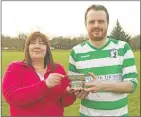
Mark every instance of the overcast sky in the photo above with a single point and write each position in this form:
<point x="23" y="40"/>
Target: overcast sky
<point x="64" y="18"/>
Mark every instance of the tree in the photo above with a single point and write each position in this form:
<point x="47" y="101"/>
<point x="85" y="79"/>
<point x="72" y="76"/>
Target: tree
<point x="119" y="34"/>
<point x="22" y="36"/>
<point x="135" y="42"/>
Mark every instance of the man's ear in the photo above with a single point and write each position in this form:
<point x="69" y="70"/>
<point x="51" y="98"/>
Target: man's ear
<point x="85" y="23"/>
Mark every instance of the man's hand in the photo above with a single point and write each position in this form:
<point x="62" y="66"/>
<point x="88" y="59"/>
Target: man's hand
<point x="114" y="87"/>
<point x="94" y="86"/>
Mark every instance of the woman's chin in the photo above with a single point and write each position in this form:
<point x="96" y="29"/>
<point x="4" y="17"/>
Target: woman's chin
<point x="37" y="57"/>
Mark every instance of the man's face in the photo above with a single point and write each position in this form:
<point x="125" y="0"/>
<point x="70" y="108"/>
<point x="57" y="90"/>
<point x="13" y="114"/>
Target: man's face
<point x="96" y="24"/>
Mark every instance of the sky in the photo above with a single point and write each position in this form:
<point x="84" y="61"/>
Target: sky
<point x="64" y="18"/>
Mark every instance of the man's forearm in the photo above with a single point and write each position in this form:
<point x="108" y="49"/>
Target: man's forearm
<point x="121" y="87"/>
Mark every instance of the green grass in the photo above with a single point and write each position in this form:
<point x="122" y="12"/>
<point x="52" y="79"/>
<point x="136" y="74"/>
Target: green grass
<point x="61" y="56"/>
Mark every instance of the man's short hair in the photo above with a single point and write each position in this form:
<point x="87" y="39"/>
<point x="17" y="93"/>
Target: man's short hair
<point x="97" y="7"/>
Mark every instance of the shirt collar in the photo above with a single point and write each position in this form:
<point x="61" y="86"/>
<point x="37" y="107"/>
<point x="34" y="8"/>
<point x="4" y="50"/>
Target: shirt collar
<point x="28" y="66"/>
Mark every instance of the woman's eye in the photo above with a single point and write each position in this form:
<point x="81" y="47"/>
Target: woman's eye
<point x="32" y="42"/>
<point x="42" y="43"/>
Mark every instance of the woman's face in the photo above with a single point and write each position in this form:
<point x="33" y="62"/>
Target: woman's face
<point x="37" y="49"/>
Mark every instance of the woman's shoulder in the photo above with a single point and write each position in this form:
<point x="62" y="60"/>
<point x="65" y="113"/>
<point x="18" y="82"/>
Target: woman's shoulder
<point x="16" y="64"/>
<point x="59" y="65"/>
<point x="60" y="68"/>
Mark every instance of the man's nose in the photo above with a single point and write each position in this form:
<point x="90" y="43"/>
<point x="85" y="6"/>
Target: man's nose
<point x="96" y="24"/>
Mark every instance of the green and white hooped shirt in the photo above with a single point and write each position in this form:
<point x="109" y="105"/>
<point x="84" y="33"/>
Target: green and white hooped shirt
<point x="114" y="62"/>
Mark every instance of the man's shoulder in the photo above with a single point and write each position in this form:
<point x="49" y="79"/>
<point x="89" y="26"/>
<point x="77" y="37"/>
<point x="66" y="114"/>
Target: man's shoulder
<point x="118" y="42"/>
<point x="80" y="45"/>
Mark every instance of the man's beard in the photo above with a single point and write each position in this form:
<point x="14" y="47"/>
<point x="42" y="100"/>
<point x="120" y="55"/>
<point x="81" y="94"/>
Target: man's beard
<point x="98" y="38"/>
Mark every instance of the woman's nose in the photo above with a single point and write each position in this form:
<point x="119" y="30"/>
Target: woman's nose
<point x="37" y="45"/>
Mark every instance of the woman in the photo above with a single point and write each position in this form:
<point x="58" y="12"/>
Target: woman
<point x="37" y="86"/>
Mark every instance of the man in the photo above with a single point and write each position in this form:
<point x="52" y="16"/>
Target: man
<point x="111" y="63"/>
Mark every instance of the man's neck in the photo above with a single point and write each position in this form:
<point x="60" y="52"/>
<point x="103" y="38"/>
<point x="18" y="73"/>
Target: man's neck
<point x="99" y="44"/>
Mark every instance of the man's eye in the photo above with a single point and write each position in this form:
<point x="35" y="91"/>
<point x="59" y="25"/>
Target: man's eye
<point x="91" y="22"/>
<point x="101" y="21"/>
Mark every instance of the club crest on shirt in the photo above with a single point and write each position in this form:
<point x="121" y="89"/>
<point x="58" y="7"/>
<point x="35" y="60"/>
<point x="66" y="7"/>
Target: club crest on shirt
<point x="114" y="53"/>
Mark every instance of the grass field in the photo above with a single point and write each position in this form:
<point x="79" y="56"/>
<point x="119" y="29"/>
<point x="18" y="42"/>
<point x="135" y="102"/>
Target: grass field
<point x="62" y="57"/>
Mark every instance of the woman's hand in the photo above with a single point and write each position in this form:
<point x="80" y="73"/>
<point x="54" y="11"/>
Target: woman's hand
<point x="53" y="79"/>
